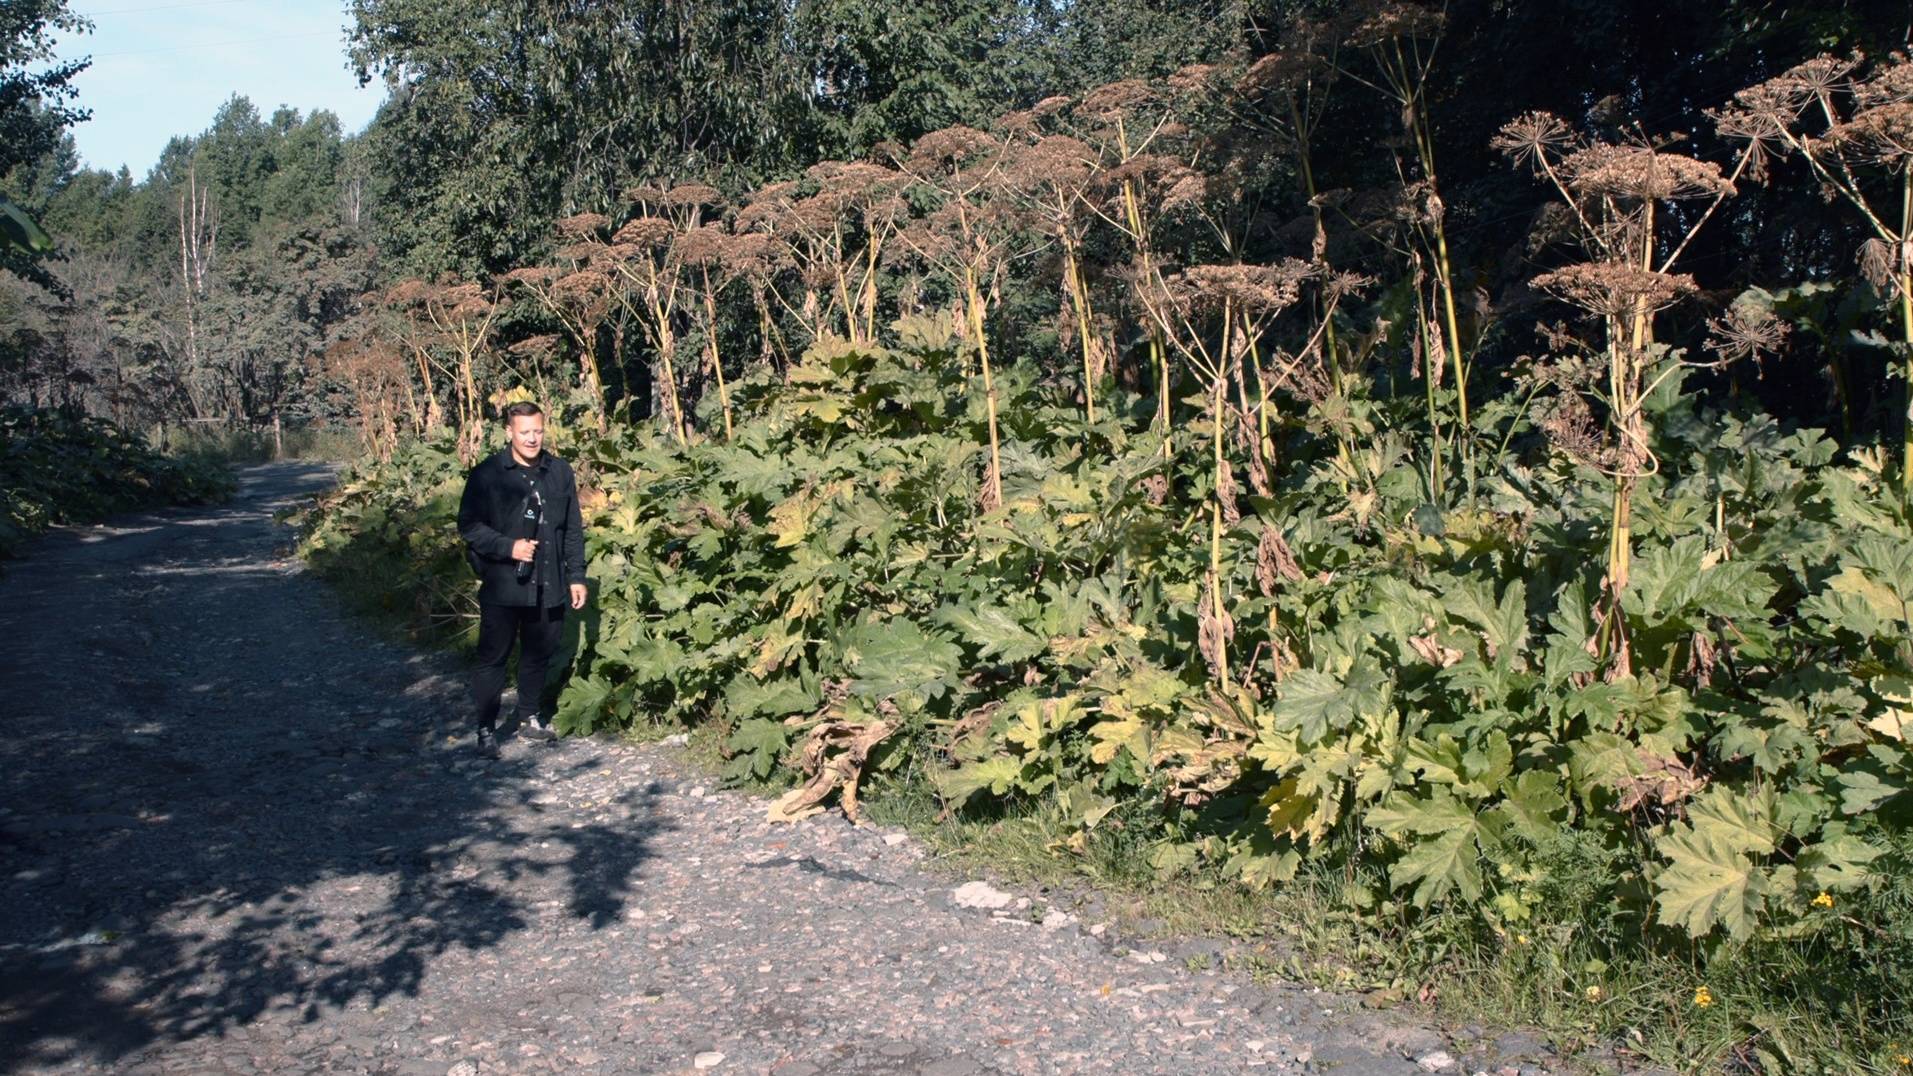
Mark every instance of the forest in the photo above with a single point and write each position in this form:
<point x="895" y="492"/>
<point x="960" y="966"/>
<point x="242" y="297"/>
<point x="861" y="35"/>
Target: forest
<point x="1448" y="464"/>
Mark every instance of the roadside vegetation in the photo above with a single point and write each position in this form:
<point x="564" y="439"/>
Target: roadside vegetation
<point x="62" y="468"/>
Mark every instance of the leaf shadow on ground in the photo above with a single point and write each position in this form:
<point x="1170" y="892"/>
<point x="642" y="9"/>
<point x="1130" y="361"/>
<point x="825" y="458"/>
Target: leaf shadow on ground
<point x="223" y="801"/>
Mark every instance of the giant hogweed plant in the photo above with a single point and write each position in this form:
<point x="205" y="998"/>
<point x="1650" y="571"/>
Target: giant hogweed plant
<point x="1617" y="196"/>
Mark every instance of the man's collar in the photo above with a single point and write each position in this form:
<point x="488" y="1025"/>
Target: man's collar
<point x="511" y="460"/>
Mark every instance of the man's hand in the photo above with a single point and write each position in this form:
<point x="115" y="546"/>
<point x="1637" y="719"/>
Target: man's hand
<point x="578" y="593"/>
<point x="524" y="549"/>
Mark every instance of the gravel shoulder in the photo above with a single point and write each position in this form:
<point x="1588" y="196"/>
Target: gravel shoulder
<point x="242" y="834"/>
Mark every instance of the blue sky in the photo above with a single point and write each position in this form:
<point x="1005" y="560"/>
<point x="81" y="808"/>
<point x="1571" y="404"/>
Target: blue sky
<point x="163" y="67"/>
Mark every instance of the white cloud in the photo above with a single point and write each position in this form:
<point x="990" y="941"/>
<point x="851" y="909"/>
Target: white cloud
<point x="163" y="67"/>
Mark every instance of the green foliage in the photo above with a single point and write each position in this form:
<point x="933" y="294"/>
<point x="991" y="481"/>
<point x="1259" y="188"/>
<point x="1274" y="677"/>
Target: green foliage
<point x="1423" y="705"/>
<point x="62" y="467"/>
<point x="394" y="545"/>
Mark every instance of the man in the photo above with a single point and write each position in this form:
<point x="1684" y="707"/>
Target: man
<point x="519" y="518"/>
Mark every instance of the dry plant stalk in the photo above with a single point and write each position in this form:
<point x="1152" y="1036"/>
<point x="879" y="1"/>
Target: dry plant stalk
<point x="828" y="772"/>
<point x="578" y="292"/>
<point x="967" y="238"/>
<point x="371" y="365"/>
<point x="455" y="317"/>
<point x="1401" y="40"/>
<point x="1239" y="300"/>
<point x="1053" y="176"/>
<point x="1285" y="95"/>
<point x="648" y="257"/>
<point x="707" y="249"/>
<point x="404" y="322"/>
<point x="835" y="238"/>
<point x="1124" y="121"/>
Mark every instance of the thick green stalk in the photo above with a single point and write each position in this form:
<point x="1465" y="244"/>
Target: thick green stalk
<point x="1079" y="298"/>
<point x="973" y="295"/>
<point x="1307" y="166"/>
<point x="717" y="363"/>
<point x="1417" y="123"/>
<point x="1217" y="407"/>
<point x="1133" y="212"/>
<point x="1905" y="275"/>
<point x="1434" y="413"/>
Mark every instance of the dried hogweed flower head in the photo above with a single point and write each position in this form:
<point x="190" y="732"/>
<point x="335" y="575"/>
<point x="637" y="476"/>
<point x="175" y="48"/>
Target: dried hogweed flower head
<point x="1616" y="289"/>
<point x="1890" y="84"/>
<point x="689" y="195"/>
<point x="1056" y="161"/>
<point x="1194" y="78"/>
<point x="645" y="232"/>
<point x="583" y="288"/>
<point x="646" y="194"/>
<point x="1882" y="134"/>
<point x="1766" y="112"/>
<point x="535" y="347"/>
<point x="1275" y="72"/>
<point x="752" y="254"/>
<point x="949" y="148"/>
<point x="1260" y="289"/>
<point x="1640" y="173"/>
<point x="408" y="291"/>
<point x="1534" y="139"/>
<point x="1877" y="264"/>
<point x="853" y="180"/>
<point x="1116" y="99"/>
<point x="582" y="225"/>
<point x="705" y="245"/>
<point x="466" y="300"/>
<point x="532" y="274"/>
<point x="1382" y="21"/>
<point x="1746" y="332"/>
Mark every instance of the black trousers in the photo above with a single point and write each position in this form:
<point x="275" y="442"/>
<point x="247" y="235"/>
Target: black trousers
<point x="499" y="626"/>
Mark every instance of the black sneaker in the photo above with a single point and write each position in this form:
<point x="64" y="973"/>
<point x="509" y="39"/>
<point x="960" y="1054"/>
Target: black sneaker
<point x="532" y="729"/>
<point x="487" y="743"/>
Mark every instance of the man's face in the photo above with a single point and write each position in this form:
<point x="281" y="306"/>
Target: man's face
<point x="527" y="436"/>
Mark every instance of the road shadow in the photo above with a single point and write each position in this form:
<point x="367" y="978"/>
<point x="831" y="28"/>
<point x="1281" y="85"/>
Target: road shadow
<point x="221" y="800"/>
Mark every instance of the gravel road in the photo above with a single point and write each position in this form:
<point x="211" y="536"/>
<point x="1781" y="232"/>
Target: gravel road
<point x="238" y="835"/>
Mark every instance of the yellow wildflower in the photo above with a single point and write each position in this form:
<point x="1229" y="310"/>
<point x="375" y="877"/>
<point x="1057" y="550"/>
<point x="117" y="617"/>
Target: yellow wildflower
<point x="1703" y="997"/>
<point x="1824" y="900"/>
<point x="1595" y="993"/>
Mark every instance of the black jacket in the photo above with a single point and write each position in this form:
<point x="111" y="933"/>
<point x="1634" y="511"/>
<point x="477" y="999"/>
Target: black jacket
<point x="491" y="517"/>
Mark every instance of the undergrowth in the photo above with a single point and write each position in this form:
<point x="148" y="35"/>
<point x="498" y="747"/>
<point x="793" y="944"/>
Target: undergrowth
<point x="64" y="467"/>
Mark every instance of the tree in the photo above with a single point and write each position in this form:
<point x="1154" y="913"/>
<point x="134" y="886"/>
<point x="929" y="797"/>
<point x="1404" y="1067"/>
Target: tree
<point x="506" y="116"/>
<point x="36" y="108"/>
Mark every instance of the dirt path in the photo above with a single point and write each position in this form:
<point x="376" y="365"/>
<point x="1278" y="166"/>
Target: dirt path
<point x="239" y="837"/>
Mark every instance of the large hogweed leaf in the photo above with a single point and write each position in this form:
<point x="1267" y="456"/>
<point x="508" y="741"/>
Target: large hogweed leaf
<point x="1312" y="702"/>
<point x="893" y="657"/>
<point x="1713" y="877"/>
